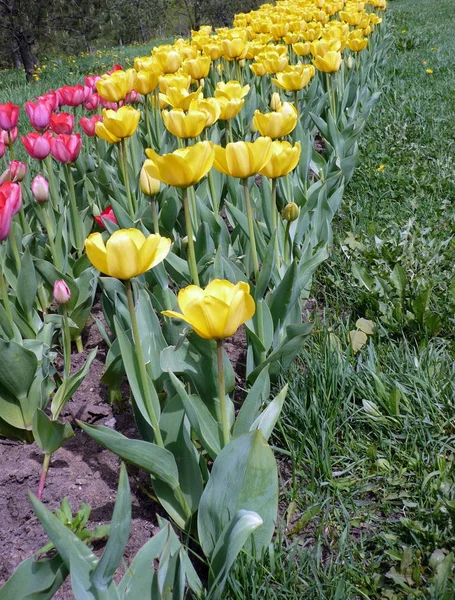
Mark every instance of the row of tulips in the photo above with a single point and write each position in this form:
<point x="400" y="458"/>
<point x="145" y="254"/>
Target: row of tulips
<point x="212" y="206"/>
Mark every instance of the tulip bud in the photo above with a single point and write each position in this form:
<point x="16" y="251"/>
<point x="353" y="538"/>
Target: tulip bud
<point x="17" y="170"/>
<point x="40" y="189"/>
<point x="275" y="102"/>
<point x="61" y="292"/>
<point x="149" y="185"/>
<point x="349" y="62"/>
<point x="253" y="128"/>
<point x="242" y="63"/>
<point x="290" y="212"/>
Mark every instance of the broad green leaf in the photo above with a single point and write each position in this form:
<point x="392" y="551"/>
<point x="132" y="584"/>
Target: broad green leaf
<point x="244" y="476"/>
<point x="49" y="435"/>
<point x="17" y="368"/>
<point x="35" y="579"/>
<point x="228" y="546"/>
<point x="118" y="535"/>
<point x="155" y="460"/>
<point x="256" y="397"/>
<point x="26" y="283"/>
<point x="268" y="418"/>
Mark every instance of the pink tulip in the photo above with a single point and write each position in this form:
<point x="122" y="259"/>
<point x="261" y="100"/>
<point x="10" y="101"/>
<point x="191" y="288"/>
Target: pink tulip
<point x="92" y="102"/>
<point x="61" y="292"/>
<point x="66" y="148"/>
<point x="108" y="214"/>
<point x="40" y="189"/>
<point x="9" y="116"/>
<point x="38" y="146"/>
<point x="17" y="170"/>
<point x="9" y="137"/>
<point x="51" y="98"/>
<point x="2" y="148"/>
<point x="39" y="114"/>
<point x="73" y="95"/>
<point x="88" y="124"/>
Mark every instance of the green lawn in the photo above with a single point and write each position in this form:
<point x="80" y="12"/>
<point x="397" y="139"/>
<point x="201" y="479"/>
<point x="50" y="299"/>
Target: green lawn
<point x="368" y="488"/>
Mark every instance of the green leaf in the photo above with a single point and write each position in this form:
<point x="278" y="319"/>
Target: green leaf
<point x="361" y="274"/>
<point x="155" y="460"/>
<point x="35" y="579"/>
<point x="230" y="543"/>
<point x="267" y="419"/>
<point x="70" y="385"/>
<point x="17" y="368"/>
<point x="266" y="269"/>
<point x="244" y="476"/>
<point x="398" y="278"/>
<point x="118" y="536"/>
<point x="203" y="423"/>
<point x="26" y="283"/>
<point x="49" y="435"/>
<point x="256" y="397"/>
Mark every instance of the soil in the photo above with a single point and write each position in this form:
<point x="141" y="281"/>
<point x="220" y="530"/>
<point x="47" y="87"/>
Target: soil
<point x="81" y="470"/>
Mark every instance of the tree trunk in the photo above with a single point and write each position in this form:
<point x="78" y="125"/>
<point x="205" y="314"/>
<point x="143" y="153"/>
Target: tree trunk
<point x="28" y="58"/>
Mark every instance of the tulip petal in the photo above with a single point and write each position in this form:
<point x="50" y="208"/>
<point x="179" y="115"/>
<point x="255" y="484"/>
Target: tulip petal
<point x="96" y="252"/>
<point x="241" y="309"/>
<point x="154" y="250"/>
<point x="122" y="255"/>
<point x="137" y="236"/>
<point x="188" y="294"/>
<point x="221" y="289"/>
<point x="208" y="317"/>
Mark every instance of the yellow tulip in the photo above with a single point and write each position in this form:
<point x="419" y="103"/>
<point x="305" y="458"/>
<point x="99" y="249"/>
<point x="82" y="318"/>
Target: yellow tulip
<point x="214" y="50"/>
<point x="182" y="125"/>
<point x="127" y="253"/>
<point x="294" y="77"/>
<point x="276" y="124"/>
<point x="321" y="47"/>
<point x="291" y="38"/>
<point x="121" y="123"/>
<point x="284" y="159"/>
<point x="234" y="49"/>
<point x="188" y="52"/>
<point x="217" y="311"/>
<point x="113" y="87"/>
<point x="357" y="44"/>
<point x="243" y="159"/>
<point x="275" y="101"/>
<point x="302" y="48"/>
<point x="198" y="67"/>
<point x="174" y="80"/>
<point x="147" y="63"/>
<point x="279" y="30"/>
<point x="146" y="82"/>
<point x="329" y="63"/>
<point x="229" y="108"/>
<point x="168" y="60"/>
<point x="106" y="135"/>
<point x="149" y="185"/>
<point x="274" y="62"/>
<point x="183" y="167"/>
<point x="231" y="89"/>
<point x="179" y="98"/>
<point x="258" y="68"/>
<point x="210" y="106"/>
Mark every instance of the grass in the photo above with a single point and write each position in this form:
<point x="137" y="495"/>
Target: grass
<point x="368" y="492"/>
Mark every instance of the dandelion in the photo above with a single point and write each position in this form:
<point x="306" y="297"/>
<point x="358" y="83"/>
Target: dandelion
<point x="429" y="71"/>
<point x="381" y="167"/>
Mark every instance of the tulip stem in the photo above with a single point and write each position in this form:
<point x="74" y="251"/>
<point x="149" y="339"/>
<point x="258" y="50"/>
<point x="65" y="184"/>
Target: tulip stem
<point x="5" y="299"/>
<point x="229" y="138"/>
<point x="147" y="119"/>
<point x="287" y="250"/>
<point x="189" y="233"/>
<point x="75" y="217"/>
<point x="42" y="481"/>
<point x="156" y="226"/>
<point x="331" y="91"/>
<point x="192" y="196"/>
<point x="296" y="103"/>
<point x="222" y="393"/>
<point x="50" y="236"/>
<point x="142" y="370"/>
<point x="50" y="175"/>
<point x="275" y="225"/>
<point x="15" y="249"/>
<point x="215" y="203"/>
<point x="10" y="146"/>
<point x="249" y="214"/>
<point x="66" y="344"/>
<point x="126" y="179"/>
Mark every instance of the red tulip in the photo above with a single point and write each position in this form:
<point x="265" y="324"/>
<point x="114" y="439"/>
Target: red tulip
<point x="17" y="170"/>
<point x="10" y="204"/>
<point x="40" y="189"/>
<point x="39" y="114"/>
<point x="92" y="102"/>
<point x="108" y="214"/>
<point x="9" y="116"/>
<point x="37" y="146"/>
<point x="115" y="68"/>
<point x="88" y="124"/>
<point x="66" y="148"/>
<point x="73" y="95"/>
<point x="62" y="123"/>
<point x="6" y="136"/>
<point x="51" y="98"/>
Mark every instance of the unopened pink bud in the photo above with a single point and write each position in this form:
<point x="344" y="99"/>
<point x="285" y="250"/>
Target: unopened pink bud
<point x="61" y="292"/>
<point x="40" y="189"/>
<point x="17" y="170"/>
